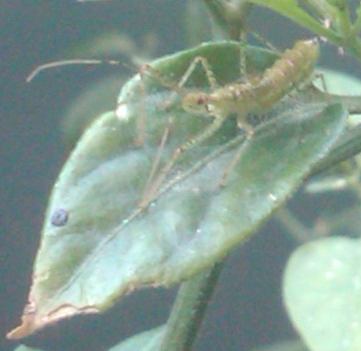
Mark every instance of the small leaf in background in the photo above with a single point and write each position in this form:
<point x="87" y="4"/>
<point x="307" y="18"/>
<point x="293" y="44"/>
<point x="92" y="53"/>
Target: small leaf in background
<point x="88" y="106"/>
<point x="106" y="245"/>
<point x="341" y="83"/>
<point x="149" y="340"/>
<point x="286" y="345"/>
<point x="322" y="289"/>
<point x="345" y="174"/>
<point x="101" y="95"/>
<point x="26" y="348"/>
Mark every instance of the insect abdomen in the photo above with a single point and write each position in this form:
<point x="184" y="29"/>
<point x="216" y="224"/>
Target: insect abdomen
<point x="294" y="67"/>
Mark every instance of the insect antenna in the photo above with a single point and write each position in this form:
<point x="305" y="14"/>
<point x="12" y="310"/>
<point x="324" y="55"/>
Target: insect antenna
<point x="54" y="64"/>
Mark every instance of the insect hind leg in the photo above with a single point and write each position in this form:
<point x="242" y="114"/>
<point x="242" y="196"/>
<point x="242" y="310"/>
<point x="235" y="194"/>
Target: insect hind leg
<point x="232" y="162"/>
<point x="151" y="191"/>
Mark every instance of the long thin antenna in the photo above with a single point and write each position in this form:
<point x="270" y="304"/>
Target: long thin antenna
<point x="54" y="64"/>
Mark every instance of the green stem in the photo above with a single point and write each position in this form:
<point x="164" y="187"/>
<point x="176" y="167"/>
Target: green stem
<point x="189" y="309"/>
<point x="229" y="17"/>
<point x="197" y="25"/>
<point x="346" y="38"/>
<point x="344" y="24"/>
<point x="300" y="233"/>
<point x="296" y="14"/>
<point x="357" y="24"/>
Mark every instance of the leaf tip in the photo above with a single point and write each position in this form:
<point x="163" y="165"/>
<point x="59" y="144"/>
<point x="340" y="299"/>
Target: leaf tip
<point x="32" y="320"/>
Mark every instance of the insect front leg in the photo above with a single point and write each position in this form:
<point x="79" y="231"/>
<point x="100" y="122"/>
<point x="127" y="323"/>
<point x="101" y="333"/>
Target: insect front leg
<point x="211" y="79"/>
<point x="155" y="180"/>
<point x="149" y="71"/>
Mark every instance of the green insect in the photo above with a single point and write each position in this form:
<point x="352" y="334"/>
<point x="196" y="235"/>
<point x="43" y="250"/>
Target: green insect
<point x="253" y="95"/>
<point x="257" y="94"/>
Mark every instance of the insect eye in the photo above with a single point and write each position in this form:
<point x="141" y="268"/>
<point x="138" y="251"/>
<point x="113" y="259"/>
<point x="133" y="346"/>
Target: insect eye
<point x="59" y="217"/>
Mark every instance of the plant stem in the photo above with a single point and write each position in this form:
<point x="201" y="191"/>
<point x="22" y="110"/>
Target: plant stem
<point x="189" y="309"/>
<point x="298" y="231"/>
<point x="296" y="14"/>
<point x="229" y="16"/>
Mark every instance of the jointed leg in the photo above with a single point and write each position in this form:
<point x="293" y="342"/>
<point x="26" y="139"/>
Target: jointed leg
<point x="187" y="74"/>
<point x="232" y="162"/>
<point x="207" y="70"/>
<point x="149" y="71"/>
<point x="144" y="201"/>
<point x="153" y="186"/>
<point x="196" y="140"/>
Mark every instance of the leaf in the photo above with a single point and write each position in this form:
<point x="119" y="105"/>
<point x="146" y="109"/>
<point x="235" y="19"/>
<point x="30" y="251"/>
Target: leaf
<point x="26" y="348"/>
<point x="339" y="177"/>
<point x="87" y="106"/>
<point x="322" y="293"/>
<point x="147" y="341"/>
<point x="98" y="243"/>
<point x="285" y="345"/>
<point x="292" y="10"/>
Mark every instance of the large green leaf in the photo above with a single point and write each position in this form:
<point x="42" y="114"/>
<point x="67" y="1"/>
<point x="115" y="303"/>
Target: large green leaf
<point x="26" y="348"/>
<point x="322" y="293"/>
<point x="149" y="340"/>
<point x="97" y="242"/>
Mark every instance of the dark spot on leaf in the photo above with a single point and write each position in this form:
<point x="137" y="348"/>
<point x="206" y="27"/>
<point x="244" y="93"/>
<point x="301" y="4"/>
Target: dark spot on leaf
<point x="59" y="217"/>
